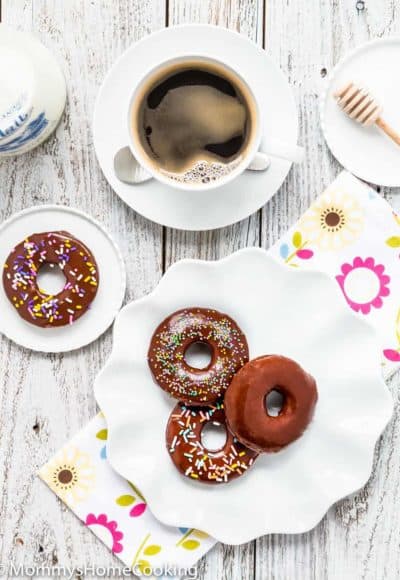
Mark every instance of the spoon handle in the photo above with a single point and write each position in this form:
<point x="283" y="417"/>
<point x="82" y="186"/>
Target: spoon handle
<point x="388" y="130"/>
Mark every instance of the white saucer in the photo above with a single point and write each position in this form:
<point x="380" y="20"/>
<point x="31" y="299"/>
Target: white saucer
<point x="191" y="210"/>
<point x="111" y="289"/>
<point x="366" y="152"/>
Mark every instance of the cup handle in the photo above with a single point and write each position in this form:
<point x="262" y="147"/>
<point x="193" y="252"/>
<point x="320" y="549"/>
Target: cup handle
<point x="128" y="169"/>
<point x="261" y="162"/>
<point x="283" y="150"/>
<point x="273" y="148"/>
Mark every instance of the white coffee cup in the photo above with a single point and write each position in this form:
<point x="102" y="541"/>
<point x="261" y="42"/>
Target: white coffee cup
<point x="32" y="94"/>
<point x="133" y="165"/>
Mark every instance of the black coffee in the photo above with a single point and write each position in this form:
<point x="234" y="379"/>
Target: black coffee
<point x="194" y="122"/>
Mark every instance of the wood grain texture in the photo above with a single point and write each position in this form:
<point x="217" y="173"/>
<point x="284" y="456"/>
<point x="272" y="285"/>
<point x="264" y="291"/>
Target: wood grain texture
<point x="246" y="17"/>
<point x="45" y="399"/>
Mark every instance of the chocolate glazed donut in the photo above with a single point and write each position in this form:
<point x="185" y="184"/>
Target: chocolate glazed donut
<point x="245" y="403"/>
<point x="78" y="266"/>
<point x="192" y="458"/>
<point x="173" y="337"/>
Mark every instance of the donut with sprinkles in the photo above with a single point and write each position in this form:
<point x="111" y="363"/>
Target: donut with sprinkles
<point x="78" y="265"/>
<point x="192" y="458"/>
<point x="172" y="338"/>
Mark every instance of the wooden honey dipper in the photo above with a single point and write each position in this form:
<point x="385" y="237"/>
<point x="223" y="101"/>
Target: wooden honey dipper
<point x="362" y="107"/>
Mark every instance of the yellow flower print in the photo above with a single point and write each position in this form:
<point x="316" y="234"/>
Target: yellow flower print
<point x="335" y="220"/>
<point x="70" y="475"/>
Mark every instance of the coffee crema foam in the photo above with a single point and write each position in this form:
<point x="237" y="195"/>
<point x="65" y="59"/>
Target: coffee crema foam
<point x="194" y="121"/>
<point x="203" y="172"/>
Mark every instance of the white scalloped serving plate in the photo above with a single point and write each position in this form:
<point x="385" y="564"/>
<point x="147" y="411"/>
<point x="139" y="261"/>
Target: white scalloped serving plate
<point x="300" y="314"/>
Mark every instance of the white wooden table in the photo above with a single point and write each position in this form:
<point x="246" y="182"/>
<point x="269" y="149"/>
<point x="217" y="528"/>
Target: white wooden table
<point x="45" y="399"/>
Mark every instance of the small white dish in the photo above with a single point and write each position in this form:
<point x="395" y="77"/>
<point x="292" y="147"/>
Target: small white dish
<point x="192" y="210"/>
<point x="366" y="151"/>
<point x="112" y="279"/>
<point x="32" y="95"/>
<point x="300" y="314"/>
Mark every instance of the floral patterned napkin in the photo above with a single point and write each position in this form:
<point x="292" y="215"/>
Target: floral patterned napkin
<point x="114" y="509"/>
<point x="351" y="233"/>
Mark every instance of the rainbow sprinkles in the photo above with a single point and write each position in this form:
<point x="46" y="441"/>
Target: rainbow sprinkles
<point x="192" y="458"/>
<point x="78" y="266"/>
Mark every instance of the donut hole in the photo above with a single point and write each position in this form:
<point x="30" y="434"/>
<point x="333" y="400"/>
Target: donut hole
<point x="198" y="355"/>
<point x="51" y="279"/>
<point x="274" y="402"/>
<point x="213" y="436"/>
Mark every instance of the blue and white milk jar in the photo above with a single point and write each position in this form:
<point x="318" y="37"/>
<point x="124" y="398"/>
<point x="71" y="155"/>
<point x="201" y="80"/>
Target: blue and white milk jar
<point x="32" y="92"/>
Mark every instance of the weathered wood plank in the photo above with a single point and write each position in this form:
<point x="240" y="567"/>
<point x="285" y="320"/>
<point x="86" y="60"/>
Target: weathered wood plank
<point x="247" y="18"/>
<point x="46" y="399"/>
<point x="358" y="537"/>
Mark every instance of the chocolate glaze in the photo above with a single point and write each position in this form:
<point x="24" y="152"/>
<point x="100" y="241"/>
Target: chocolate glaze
<point x="245" y="408"/>
<point x="184" y="445"/>
<point x="20" y="279"/>
<point x="172" y="338"/>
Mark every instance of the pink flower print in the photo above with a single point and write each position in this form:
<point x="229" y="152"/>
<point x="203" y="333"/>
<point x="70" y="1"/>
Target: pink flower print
<point x="364" y="284"/>
<point x="138" y="510"/>
<point x="112" y="536"/>
<point x="390" y="353"/>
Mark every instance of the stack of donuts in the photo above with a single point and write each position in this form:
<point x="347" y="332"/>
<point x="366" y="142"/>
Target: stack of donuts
<point x="230" y="391"/>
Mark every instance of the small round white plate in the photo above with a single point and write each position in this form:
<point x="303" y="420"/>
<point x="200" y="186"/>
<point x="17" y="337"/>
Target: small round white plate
<point x="112" y="278"/>
<point x="207" y="209"/>
<point x="366" y="152"/>
<point x="300" y="314"/>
